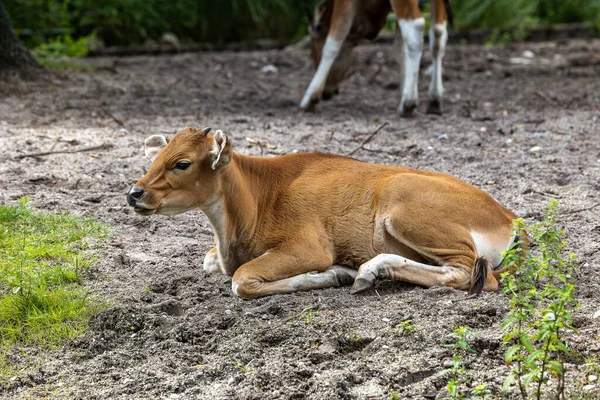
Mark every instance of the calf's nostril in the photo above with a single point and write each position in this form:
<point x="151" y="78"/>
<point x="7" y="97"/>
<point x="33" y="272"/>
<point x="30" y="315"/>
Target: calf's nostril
<point x="133" y="195"/>
<point x="137" y="193"/>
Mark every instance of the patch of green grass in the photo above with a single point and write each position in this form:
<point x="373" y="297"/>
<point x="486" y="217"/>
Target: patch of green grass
<point x="42" y="256"/>
<point x="66" y="65"/>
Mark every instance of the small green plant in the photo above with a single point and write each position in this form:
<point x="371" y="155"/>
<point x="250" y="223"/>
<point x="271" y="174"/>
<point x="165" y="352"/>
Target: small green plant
<point x="481" y="391"/>
<point x="407" y="328"/>
<point x="541" y="306"/>
<point x="462" y="334"/>
<point x="394" y="395"/>
<point x="457" y="374"/>
<point x="308" y="316"/>
<point x="244" y="368"/>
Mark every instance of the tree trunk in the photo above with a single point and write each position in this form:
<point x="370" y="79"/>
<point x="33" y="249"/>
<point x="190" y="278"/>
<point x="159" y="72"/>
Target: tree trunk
<point x="13" y="54"/>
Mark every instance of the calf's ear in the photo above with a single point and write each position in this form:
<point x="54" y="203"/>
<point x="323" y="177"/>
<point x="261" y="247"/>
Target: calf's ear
<point x="221" y="150"/>
<point x="153" y="145"/>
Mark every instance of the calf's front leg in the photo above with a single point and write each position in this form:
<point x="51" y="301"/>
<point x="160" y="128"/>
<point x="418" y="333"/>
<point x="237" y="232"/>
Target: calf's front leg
<point x="211" y="263"/>
<point x="281" y="272"/>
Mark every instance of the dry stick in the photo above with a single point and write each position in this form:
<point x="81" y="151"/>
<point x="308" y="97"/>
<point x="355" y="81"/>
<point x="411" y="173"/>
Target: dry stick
<point x="105" y="146"/>
<point x="581" y="209"/>
<point x="285" y="321"/>
<point x="117" y="120"/>
<point x="367" y="140"/>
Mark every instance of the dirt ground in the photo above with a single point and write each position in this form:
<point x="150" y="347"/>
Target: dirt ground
<point x="526" y="131"/>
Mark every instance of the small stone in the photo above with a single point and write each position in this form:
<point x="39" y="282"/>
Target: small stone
<point x="508" y="141"/>
<point x="592" y="378"/>
<point x="519" y="61"/>
<point x="448" y="364"/>
<point x="535" y="149"/>
<point x="596" y="314"/>
<point x="483" y="129"/>
<point x="443" y="136"/>
<point x="528" y="54"/>
<point x="265" y="316"/>
<point x="228" y="311"/>
<point x="170" y="39"/>
<point x="588" y="388"/>
<point x="269" y="69"/>
<point x="559" y="61"/>
<point x="430" y="148"/>
<point x="385" y="319"/>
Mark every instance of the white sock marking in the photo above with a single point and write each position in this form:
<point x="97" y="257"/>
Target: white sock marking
<point x="438" y="36"/>
<point x="331" y="49"/>
<point x="412" y="37"/>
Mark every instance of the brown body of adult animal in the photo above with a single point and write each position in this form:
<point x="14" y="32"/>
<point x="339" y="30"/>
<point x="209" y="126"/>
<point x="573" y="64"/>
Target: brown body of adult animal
<point x="313" y="220"/>
<point x="337" y="26"/>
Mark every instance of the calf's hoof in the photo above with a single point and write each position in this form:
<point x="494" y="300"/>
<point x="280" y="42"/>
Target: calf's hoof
<point x="361" y="285"/>
<point x="435" y="107"/>
<point x="328" y="94"/>
<point x="310" y="106"/>
<point x="407" y="108"/>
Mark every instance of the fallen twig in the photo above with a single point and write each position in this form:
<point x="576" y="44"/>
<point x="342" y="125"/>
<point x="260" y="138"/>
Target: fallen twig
<point x="367" y="140"/>
<point x="104" y="146"/>
<point x="117" y="120"/>
<point x="581" y="209"/>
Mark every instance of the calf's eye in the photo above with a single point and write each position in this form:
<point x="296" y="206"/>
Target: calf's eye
<point x="182" y="165"/>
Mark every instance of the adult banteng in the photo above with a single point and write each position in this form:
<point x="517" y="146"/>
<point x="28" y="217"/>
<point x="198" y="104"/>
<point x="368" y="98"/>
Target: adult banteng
<point x="313" y="220"/>
<point x="337" y="26"/>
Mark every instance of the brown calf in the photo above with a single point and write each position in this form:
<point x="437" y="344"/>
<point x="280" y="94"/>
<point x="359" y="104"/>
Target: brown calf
<point x="314" y="220"/>
<point x="339" y="25"/>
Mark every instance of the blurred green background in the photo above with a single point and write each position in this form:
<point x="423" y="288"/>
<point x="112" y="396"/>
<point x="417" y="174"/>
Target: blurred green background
<point x="132" y="22"/>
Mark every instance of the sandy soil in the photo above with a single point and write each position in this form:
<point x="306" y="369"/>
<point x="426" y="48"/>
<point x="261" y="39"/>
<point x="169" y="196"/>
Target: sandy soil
<point x="525" y="133"/>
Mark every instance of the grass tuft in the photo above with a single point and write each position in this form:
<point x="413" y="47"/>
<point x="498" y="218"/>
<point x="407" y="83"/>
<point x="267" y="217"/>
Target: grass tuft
<point x="42" y="257"/>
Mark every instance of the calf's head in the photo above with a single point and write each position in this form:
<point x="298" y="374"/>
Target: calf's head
<point x="184" y="174"/>
<point x="318" y="29"/>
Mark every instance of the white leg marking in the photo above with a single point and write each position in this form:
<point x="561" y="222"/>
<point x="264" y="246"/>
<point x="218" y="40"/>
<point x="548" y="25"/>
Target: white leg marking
<point x="412" y="37"/>
<point x="334" y="276"/>
<point x="331" y="50"/>
<point x="438" y="36"/>
<point x="215" y="212"/>
<point x="211" y="263"/>
<point x="392" y="266"/>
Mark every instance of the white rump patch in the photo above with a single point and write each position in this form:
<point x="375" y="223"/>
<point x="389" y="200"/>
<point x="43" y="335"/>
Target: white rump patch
<point x="490" y="249"/>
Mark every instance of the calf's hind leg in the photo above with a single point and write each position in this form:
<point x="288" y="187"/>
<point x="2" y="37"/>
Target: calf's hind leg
<point x="398" y="268"/>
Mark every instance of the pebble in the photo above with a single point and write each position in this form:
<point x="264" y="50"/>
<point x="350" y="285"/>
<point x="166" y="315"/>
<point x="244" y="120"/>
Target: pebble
<point x="448" y="364"/>
<point x="528" y="54"/>
<point x="596" y="314"/>
<point x="535" y="149"/>
<point x="508" y="141"/>
<point x="588" y="388"/>
<point x="228" y="311"/>
<point x="385" y="319"/>
<point x="443" y="136"/>
<point x="269" y="69"/>
<point x="592" y="378"/>
<point x="265" y="316"/>
<point x="483" y="129"/>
